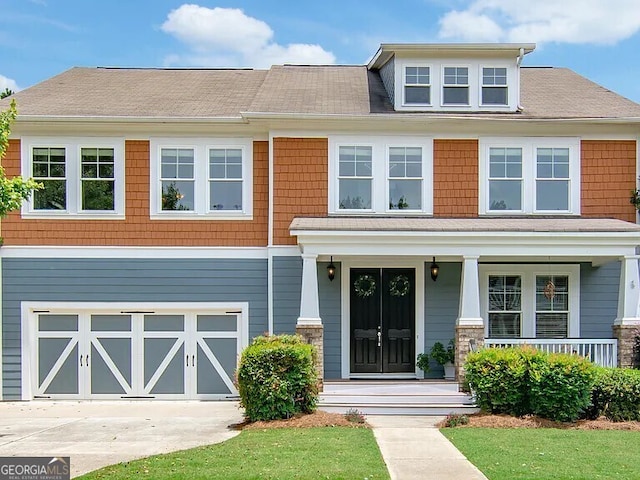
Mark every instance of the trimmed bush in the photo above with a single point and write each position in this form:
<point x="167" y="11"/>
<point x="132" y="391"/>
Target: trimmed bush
<point x="499" y="379"/>
<point x="277" y="378"/>
<point x="560" y="386"/>
<point x="616" y="395"/>
<point x="521" y="381"/>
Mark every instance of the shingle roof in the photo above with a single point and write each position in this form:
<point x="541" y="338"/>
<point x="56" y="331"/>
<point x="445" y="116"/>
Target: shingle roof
<point x="329" y="90"/>
<point x="562" y="93"/>
<point x="315" y="90"/>
<point x="113" y="92"/>
<point x="404" y="224"/>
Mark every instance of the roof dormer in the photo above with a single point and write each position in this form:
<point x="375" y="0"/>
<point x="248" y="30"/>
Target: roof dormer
<point x="477" y="77"/>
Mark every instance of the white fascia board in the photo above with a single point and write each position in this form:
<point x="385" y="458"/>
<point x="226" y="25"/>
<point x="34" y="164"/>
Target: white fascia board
<point x="520" y="244"/>
<point x="134" y="252"/>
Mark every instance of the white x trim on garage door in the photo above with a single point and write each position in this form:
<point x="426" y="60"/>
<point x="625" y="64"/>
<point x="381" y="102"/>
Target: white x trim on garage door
<point x="160" y="350"/>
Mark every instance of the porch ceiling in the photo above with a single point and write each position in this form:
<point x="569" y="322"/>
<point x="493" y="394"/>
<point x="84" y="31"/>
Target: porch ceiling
<point x="579" y="238"/>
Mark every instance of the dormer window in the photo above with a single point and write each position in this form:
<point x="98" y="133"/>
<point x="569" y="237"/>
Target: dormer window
<point x="494" y="86"/>
<point x="417" y="85"/>
<point x="455" y="87"/>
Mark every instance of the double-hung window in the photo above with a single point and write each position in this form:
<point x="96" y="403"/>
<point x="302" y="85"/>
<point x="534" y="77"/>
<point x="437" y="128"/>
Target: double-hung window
<point x="529" y="176"/>
<point x="455" y="86"/>
<point x="201" y="178"/>
<point x="494" y="86"/>
<point x="355" y="177"/>
<point x="177" y="176"/>
<point x="380" y="175"/>
<point x="417" y="85"/>
<point x="530" y="301"/>
<point x="81" y="177"/>
<point x="405" y="178"/>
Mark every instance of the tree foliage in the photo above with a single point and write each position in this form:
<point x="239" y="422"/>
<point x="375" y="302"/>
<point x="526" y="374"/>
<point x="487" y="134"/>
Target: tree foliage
<point x="6" y="93"/>
<point x="13" y="191"/>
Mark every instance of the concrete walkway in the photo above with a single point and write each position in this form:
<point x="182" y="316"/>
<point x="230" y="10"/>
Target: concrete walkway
<point x="414" y="449"/>
<point x="96" y="434"/>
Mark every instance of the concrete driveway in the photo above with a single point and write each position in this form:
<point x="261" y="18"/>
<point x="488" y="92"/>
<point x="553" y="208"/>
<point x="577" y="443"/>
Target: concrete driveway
<point x="99" y="433"/>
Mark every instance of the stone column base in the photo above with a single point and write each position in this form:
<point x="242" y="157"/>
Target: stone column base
<point x="626" y="335"/>
<point x="465" y="333"/>
<point x="314" y="334"/>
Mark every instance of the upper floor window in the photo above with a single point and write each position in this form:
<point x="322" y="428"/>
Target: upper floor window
<point x="455" y="86"/>
<point x="83" y="177"/>
<point x="417" y="85"/>
<point x="202" y="178"/>
<point x="405" y="178"/>
<point x="494" y="86"/>
<point x="380" y="175"/>
<point x="355" y="177"/>
<point x="532" y="301"/>
<point x="529" y="175"/>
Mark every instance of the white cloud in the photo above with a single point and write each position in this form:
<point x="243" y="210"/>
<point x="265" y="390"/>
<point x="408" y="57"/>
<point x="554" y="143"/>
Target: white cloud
<point x="600" y="22"/>
<point x="9" y="83"/>
<point x="228" y="37"/>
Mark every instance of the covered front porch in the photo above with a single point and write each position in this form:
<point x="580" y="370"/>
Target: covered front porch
<point x="568" y="284"/>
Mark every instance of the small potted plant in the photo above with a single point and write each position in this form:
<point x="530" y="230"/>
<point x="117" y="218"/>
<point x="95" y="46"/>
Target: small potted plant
<point x="445" y="357"/>
<point x="423" y="362"/>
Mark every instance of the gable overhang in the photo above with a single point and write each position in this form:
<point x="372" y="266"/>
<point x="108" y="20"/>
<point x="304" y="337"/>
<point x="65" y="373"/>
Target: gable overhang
<point x="387" y="50"/>
<point x="596" y="241"/>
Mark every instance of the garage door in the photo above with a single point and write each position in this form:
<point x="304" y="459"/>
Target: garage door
<point x="136" y="355"/>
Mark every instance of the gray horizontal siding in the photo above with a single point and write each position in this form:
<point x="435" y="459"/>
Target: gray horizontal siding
<point x="330" y="312"/>
<point x="387" y="73"/>
<point x="287" y="280"/>
<point x="441" y="309"/>
<point x="598" y="299"/>
<point x="124" y="280"/>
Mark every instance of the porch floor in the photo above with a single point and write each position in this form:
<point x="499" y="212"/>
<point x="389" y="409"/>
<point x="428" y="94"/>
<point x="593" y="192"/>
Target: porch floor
<point x="395" y="397"/>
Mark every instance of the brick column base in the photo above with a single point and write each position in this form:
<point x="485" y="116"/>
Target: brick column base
<point x="626" y="335"/>
<point x="464" y="333"/>
<point x="314" y="334"/>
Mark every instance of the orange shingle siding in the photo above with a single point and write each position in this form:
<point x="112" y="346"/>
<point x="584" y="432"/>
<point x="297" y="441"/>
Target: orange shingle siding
<point x="137" y="229"/>
<point x="300" y="183"/>
<point x="608" y="175"/>
<point x="455" y="178"/>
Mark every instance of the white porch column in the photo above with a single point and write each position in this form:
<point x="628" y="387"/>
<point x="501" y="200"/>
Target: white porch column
<point x="629" y="292"/>
<point x="469" y="309"/>
<point x="309" y="302"/>
<point x="469" y="324"/>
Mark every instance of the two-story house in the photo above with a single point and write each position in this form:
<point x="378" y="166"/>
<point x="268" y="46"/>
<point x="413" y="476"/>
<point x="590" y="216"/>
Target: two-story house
<point x="441" y="191"/>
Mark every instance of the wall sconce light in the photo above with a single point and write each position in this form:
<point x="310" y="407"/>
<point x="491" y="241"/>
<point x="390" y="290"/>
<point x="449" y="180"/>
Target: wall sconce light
<point x="435" y="269"/>
<point x="331" y="270"/>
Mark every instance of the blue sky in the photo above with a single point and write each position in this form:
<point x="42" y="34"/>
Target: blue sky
<point x="599" y="39"/>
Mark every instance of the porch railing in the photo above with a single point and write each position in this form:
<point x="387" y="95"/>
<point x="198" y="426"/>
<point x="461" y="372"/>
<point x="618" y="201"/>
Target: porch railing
<point x="602" y="352"/>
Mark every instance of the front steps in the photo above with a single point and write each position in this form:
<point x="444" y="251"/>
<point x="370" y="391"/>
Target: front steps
<point x="412" y="397"/>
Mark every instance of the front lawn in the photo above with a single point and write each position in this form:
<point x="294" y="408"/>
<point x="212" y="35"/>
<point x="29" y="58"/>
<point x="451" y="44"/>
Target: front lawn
<point x="547" y="453"/>
<point x="285" y="453"/>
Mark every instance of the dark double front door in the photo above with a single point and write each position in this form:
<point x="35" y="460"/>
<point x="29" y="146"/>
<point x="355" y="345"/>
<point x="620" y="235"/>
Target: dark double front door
<point x="382" y="306"/>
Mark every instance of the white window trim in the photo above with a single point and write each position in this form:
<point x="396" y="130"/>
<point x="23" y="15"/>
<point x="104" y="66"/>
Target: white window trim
<point x="404" y="84"/>
<point x="528" y="274"/>
<point x="201" y="147"/>
<point x="73" y="174"/>
<point x="444" y="85"/>
<point x="529" y="146"/>
<point x="482" y="85"/>
<point x="422" y="178"/>
<point x="380" y="170"/>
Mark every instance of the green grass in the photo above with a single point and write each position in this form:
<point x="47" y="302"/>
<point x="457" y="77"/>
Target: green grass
<point x="287" y="453"/>
<point x="545" y="453"/>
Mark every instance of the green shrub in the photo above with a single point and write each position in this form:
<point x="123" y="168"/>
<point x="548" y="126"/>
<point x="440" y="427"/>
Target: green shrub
<point x="499" y="379"/>
<point x="455" y="419"/>
<point x="616" y="395"/>
<point x="560" y="386"/>
<point x="277" y="378"/>
<point x="521" y="381"/>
